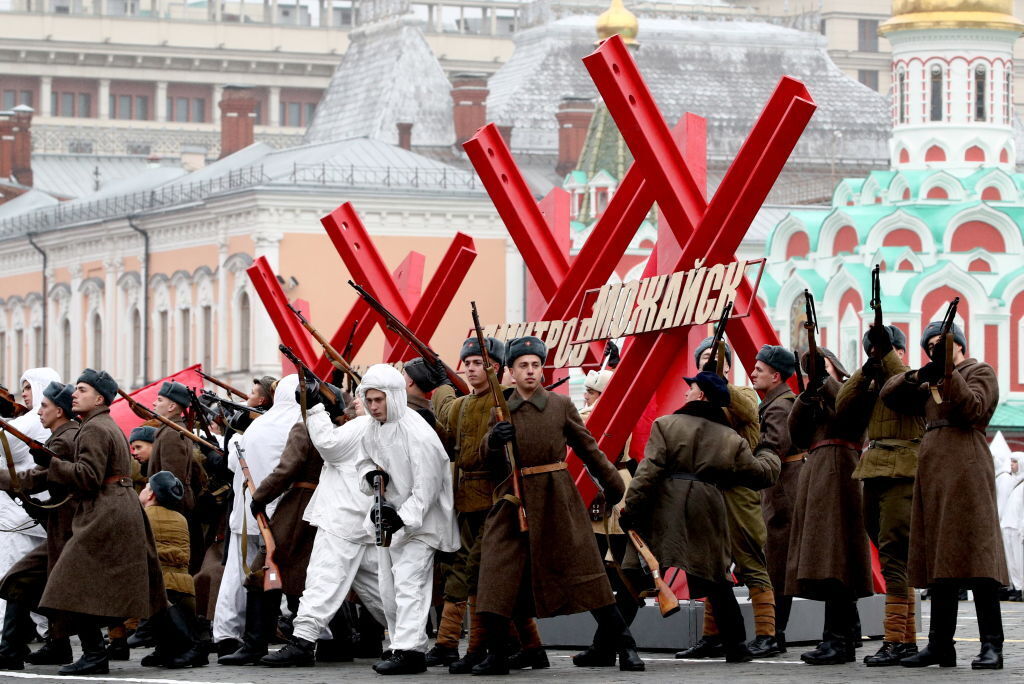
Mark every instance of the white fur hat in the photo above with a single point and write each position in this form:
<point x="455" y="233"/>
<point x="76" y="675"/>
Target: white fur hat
<point x="597" y="380"/>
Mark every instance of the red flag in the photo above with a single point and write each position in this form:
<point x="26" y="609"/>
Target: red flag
<point x="122" y="414"/>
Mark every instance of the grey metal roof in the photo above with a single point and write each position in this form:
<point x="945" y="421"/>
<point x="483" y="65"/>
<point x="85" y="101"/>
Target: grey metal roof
<point x="75" y="175"/>
<point x="389" y="75"/>
<point x="33" y="199"/>
<point x="722" y="70"/>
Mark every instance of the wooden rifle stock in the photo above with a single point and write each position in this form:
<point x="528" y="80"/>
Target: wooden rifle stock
<point x="718" y="341"/>
<point x="799" y="374"/>
<point x="502" y="414"/>
<point x="223" y="385"/>
<point x="667" y="601"/>
<point x="271" y="573"/>
<point x="426" y="353"/>
<point x="308" y="376"/>
<point x="335" y="358"/>
<point x="21" y="436"/>
<point x="147" y="414"/>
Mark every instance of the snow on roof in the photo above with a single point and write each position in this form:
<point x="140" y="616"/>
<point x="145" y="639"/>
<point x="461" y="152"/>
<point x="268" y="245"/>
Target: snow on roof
<point x="722" y="70"/>
<point x="388" y="75"/>
<point x="33" y="199"/>
<point x="75" y="175"/>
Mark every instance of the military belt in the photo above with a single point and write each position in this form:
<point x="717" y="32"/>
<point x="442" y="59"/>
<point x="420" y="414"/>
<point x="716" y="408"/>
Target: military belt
<point x="942" y="422"/>
<point x="546" y="468"/>
<point x="304" y="485"/>
<point x="846" y="444"/>
<point x="122" y="480"/>
<point x="892" y="444"/>
<point x="475" y="474"/>
<point x="793" y="458"/>
<point x="688" y="476"/>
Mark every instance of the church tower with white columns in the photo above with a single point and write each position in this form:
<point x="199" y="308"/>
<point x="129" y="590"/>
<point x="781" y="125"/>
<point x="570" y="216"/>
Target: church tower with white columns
<point x="952" y="76"/>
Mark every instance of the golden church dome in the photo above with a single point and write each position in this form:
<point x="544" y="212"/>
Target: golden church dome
<point x="618" y="20"/>
<point x="939" y="14"/>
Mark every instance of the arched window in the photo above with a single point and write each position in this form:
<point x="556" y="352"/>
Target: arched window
<point x="980" y="86"/>
<point x="244" y="332"/>
<point x="975" y="234"/>
<point x="846" y="241"/>
<point x="207" y="358"/>
<point x="902" y="237"/>
<point x="165" y="339"/>
<point x="901" y="95"/>
<point x="936" y="94"/>
<point x="186" y="337"/>
<point x="3" y="354"/>
<point x="65" y="347"/>
<point x="798" y="245"/>
<point x="136" y="346"/>
<point x="37" y="343"/>
<point x="1008" y="97"/>
<point x="19" y="351"/>
<point x="97" y="341"/>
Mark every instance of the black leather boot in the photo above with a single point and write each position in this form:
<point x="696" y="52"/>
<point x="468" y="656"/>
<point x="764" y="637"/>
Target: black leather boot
<point x="18" y="628"/>
<point x="402" y="663"/>
<point x="939" y="650"/>
<point x="371" y="634"/>
<point x="835" y="650"/>
<point x="738" y="653"/>
<point x="94" y="653"/>
<point x="56" y="651"/>
<point x="296" y="653"/>
<point x="495" y="662"/>
<point x="118" y="649"/>
<point x="708" y="647"/>
<point x="261" y="609"/>
<point x="764" y="646"/>
<point x="594" y="656"/>
<point x="466" y="663"/>
<point x="181" y="618"/>
<point x="629" y="659"/>
<point x="991" y="656"/>
<point x="143" y="636"/>
<point x="888" y="655"/>
<point x="533" y="658"/>
<point x="441" y="655"/>
<point x="941" y="654"/>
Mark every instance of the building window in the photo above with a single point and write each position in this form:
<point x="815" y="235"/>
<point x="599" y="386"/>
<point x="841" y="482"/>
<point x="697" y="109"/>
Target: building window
<point x="198" y="109"/>
<point x="97" y="342"/>
<point x="13" y="98"/>
<point x="65" y="347"/>
<point x="244" y="332"/>
<point x="868" y="77"/>
<point x="867" y="35"/>
<point x="165" y="335"/>
<point x="207" y="359"/>
<point x="71" y="104"/>
<point x="19" y="351"/>
<point x="37" y="341"/>
<point x="128" y="107"/>
<point x="136" y="346"/>
<point x="901" y="95"/>
<point x="980" y="83"/>
<point x="3" y="356"/>
<point x="186" y="109"/>
<point x="936" y="94"/>
<point x="186" y="337"/>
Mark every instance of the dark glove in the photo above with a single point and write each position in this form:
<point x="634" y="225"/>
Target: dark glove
<point x="612" y="350"/>
<point x="819" y="375"/>
<point x="311" y="388"/>
<point x="938" y="354"/>
<point x="334" y="409"/>
<point x="374" y="473"/>
<point x="392" y="522"/>
<point x="501" y="434"/>
<point x="881" y="343"/>
<point x="625" y="520"/>
<point x="931" y="372"/>
<point x="711" y="365"/>
<point x="872" y="368"/>
<point x="612" y="496"/>
<point x="436" y="374"/>
<point x="42" y="457"/>
<point x="257" y="507"/>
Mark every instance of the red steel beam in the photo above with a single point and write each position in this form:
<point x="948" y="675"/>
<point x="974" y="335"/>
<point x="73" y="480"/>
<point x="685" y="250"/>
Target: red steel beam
<point x="275" y="302"/>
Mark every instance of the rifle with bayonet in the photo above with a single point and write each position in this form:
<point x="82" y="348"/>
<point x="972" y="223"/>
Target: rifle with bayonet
<point x="31" y="505"/>
<point x="21" y="436"/>
<point x="716" y="362"/>
<point x="667" y="601"/>
<point x="336" y="359"/>
<point x="814" y="378"/>
<point x="271" y="573"/>
<point x="148" y="414"/>
<point x="941" y="393"/>
<point x="429" y="356"/>
<point x="502" y="414"/>
<point x="876" y="303"/>
<point x="253" y="411"/>
<point x="223" y="385"/>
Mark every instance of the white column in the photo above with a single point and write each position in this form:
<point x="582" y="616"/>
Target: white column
<point x="274" y="105"/>
<point x="104" y="103"/>
<point x="265" y="356"/>
<point x="161" y="101"/>
<point x="111" y="319"/>
<point x="75" y="319"/>
<point x="45" y="95"/>
<point x="515" y="284"/>
<point x="221" y="313"/>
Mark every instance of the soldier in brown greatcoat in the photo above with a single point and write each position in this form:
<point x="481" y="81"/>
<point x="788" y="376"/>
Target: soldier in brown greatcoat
<point x="829" y="558"/>
<point x="955" y="538"/>
<point x="294" y="479"/>
<point x="23" y="584"/>
<point x="677" y="502"/>
<point x="773" y="366"/>
<point x="886" y="469"/>
<point x="172" y="450"/>
<point x="526" y="573"/>
<point x="108" y="570"/>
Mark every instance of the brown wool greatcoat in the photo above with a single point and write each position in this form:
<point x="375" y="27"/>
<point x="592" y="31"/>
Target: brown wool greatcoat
<point x="685" y="521"/>
<point x="300" y="463"/>
<point x="954" y="526"/>
<point x="172" y="451"/>
<point x="170" y="531"/>
<point x="555" y="568"/>
<point x="828" y="543"/>
<point x="777" y="500"/>
<point x="109" y="566"/>
<point x="58" y="520"/>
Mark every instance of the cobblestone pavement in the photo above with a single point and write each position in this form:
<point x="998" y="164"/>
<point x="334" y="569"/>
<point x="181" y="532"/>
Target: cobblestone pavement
<point x="661" y="667"/>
